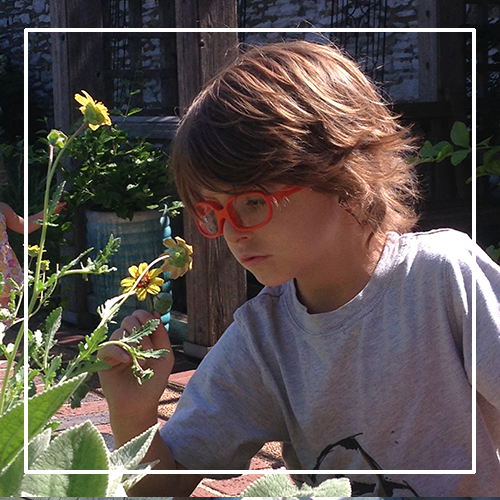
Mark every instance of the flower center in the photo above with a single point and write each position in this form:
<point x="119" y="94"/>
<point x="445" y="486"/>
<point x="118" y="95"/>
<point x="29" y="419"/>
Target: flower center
<point x="144" y="283"/>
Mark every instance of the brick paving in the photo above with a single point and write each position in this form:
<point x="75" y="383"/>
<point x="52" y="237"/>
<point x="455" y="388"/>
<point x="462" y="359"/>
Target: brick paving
<point x="95" y="409"/>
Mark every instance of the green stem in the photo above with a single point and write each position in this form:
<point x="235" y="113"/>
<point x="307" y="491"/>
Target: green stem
<point x="37" y="286"/>
<point x="10" y="362"/>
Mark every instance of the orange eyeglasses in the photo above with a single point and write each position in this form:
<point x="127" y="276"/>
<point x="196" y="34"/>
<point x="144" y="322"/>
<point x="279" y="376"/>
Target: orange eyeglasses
<point x="245" y="212"/>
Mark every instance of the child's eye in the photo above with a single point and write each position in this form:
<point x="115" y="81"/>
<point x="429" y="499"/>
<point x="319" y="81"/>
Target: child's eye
<point x="255" y="202"/>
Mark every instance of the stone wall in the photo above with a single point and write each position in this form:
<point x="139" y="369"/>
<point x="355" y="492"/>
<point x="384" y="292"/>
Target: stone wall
<point x="400" y="67"/>
<point x="17" y="15"/>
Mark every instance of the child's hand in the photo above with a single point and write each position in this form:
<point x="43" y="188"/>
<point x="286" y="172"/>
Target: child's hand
<point x="125" y="397"/>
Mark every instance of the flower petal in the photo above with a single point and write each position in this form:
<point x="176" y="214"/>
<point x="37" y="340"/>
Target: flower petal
<point x="169" y="242"/>
<point x="133" y="271"/>
<point x="81" y="100"/>
<point x="153" y="289"/>
<point x="127" y="282"/>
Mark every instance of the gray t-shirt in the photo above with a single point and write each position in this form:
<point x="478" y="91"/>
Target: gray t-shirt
<point x="383" y="380"/>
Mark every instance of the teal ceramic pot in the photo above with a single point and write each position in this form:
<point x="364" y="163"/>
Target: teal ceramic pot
<point x="141" y="241"/>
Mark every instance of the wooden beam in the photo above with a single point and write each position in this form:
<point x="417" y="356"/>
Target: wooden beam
<point x="77" y="63"/>
<point x="153" y="128"/>
<point x="77" y="57"/>
<point x="217" y="285"/>
<point x="427" y="52"/>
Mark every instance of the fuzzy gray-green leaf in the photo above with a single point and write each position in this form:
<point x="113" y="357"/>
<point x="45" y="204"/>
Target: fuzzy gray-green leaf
<point x="131" y="453"/>
<point x="280" y="485"/>
<point x="79" y="448"/>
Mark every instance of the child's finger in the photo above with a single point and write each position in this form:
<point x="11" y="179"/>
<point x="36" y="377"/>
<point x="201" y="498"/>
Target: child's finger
<point x="114" y="355"/>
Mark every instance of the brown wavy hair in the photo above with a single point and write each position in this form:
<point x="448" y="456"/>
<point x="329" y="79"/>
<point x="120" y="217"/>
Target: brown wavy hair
<point x="300" y="114"/>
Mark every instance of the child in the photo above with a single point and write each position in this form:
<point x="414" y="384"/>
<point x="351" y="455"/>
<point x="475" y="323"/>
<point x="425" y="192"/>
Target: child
<point x="358" y="352"/>
<point x="9" y="265"/>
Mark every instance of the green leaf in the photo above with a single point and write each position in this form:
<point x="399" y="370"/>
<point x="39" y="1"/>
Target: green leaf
<point x="129" y="455"/>
<point x="279" y="485"/>
<point x="55" y="198"/>
<point x="129" y="480"/>
<point x="79" y="448"/>
<point x="436" y="149"/>
<point x="445" y="151"/>
<point x="137" y="335"/>
<point x="494" y="253"/>
<point x="11" y="435"/>
<point x="485" y="143"/>
<point x="38" y="445"/>
<point x="66" y="268"/>
<point x="110" y="308"/>
<point x="426" y="150"/>
<point x="93" y="365"/>
<point x="480" y="172"/>
<point x="86" y="350"/>
<point x="11" y="477"/>
<point x="460" y="135"/>
<point x="489" y="163"/>
<point x="43" y="406"/>
<point x="92" y="342"/>
<point x="164" y="303"/>
<point x="78" y="395"/>
<point x="459" y="156"/>
<point x="52" y="325"/>
<point x="134" y="111"/>
<point x="151" y="353"/>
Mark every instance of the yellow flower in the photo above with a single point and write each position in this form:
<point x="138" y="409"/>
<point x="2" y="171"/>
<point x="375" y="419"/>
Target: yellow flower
<point x="33" y="250"/>
<point x="95" y="113"/>
<point x="150" y="283"/>
<point x="180" y="260"/>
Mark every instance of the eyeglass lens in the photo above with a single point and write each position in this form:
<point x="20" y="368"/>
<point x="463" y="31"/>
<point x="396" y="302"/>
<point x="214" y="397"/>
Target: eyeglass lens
<point x="245" y="211"/>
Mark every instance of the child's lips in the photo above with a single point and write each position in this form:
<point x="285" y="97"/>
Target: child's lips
<point x="252" y="260"/>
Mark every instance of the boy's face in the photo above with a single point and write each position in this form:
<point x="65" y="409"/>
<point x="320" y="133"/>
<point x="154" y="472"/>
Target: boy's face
<point x="308" y="234"/>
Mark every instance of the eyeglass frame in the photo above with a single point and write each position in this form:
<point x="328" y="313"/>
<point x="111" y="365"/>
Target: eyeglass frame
<point x="222" y="212"/>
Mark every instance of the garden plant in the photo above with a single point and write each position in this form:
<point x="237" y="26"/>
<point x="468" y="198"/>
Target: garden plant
<point x="50" y="382"/>
<point x="458" y="150"/>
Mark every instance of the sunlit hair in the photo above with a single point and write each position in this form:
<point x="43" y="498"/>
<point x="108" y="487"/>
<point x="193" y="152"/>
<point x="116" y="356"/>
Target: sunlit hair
<point x="298" y="114"/>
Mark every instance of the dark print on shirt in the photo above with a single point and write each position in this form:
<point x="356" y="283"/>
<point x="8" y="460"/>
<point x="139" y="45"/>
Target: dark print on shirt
<point x="383" y="486"/>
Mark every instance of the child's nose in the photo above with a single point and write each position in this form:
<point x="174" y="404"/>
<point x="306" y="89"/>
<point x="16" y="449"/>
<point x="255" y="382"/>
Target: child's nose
<point x="233" y="235"/>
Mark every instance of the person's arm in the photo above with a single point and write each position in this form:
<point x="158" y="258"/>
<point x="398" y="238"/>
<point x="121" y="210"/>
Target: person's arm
<point x="133" y="408"/>
<point x="155" y="485"/>
<point x="487" y="329"/>
<point x="16" y="223"/>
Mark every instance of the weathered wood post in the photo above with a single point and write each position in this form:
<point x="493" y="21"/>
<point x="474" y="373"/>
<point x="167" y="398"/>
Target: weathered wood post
<point x="217" y="284"/>
<point x="77" y="63"/>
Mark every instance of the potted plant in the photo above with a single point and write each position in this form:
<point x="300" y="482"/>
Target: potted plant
<point x="122" y="183"/>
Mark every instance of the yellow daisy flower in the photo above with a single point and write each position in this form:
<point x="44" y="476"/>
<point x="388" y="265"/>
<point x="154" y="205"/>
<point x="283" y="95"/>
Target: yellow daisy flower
<point x="95" y="113"/>
<point x="180" y="260"/>
<point x="34" y="250"/>
<point x="150" y="283"/>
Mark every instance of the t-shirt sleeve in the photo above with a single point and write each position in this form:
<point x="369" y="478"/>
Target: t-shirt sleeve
<point x="488" y="328"/>
<point x="227" y="411"/>
<point x="487" y="316"/>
